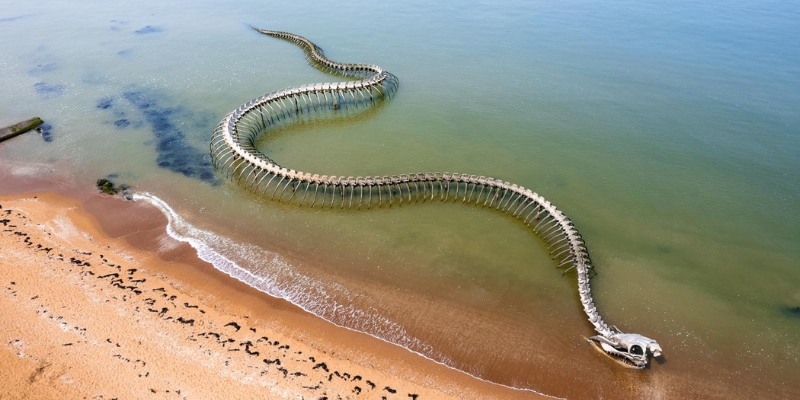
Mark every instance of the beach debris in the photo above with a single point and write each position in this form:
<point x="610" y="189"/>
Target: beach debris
<point x="234" y="325"/>
<point x="185" y="315"/>
<point x="323" y="366"/>
<point x="20" y="128"/>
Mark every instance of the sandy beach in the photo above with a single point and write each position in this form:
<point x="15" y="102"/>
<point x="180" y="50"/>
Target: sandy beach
<point x="98" y="302"/>
<point x="662" y="132"/>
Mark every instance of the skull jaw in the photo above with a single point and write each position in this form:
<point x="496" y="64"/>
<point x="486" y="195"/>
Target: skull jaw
<point x="621" y="356"/>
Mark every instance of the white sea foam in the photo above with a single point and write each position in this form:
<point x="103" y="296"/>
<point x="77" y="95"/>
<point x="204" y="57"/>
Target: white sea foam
<point x="272" y="274"/>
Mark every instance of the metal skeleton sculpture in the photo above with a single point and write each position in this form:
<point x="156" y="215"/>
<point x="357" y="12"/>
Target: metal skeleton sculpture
<point x="233" y="151"/>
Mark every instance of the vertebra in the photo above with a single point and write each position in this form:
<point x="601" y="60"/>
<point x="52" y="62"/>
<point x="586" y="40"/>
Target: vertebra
<point x="234" y="152"/>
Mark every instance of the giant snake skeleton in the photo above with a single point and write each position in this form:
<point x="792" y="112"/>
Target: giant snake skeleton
<point x="234" y="152"/>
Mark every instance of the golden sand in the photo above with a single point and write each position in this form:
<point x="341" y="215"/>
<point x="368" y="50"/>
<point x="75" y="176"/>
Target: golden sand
<point x="85" y="313"/>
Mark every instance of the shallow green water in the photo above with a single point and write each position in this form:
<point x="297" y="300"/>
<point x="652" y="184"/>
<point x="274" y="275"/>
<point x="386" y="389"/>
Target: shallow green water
<point x="668" y="133"/>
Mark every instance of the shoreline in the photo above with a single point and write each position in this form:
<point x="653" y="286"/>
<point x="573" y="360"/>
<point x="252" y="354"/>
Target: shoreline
<point x="150" y="198"/>
<point x="135" y="232"/>
<point x="160" y="262"/>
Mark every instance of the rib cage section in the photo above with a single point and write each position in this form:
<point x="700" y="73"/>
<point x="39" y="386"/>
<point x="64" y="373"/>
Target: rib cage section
<point x="234" y="153"/>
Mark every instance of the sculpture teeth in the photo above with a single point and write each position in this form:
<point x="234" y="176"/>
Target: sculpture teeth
<point x="234" y="153"/>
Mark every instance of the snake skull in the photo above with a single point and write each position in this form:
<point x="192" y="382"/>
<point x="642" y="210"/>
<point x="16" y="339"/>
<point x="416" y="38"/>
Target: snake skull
<point x="630" y="349"/>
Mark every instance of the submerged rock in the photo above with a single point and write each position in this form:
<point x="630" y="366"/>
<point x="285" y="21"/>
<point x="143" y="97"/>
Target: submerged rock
<point x="107" y="186"/>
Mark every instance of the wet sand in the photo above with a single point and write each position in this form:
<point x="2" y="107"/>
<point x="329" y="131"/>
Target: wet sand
<point x="97" y="301"/>
<point x="111" y="307"/>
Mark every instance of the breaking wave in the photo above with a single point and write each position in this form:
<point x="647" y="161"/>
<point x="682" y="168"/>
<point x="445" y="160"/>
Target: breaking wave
<point x="272" y="274"/>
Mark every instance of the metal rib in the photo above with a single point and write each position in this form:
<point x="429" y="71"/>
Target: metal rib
<point x="233" y="148"/>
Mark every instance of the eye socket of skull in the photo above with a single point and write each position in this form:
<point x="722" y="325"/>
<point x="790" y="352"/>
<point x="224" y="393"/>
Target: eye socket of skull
<point x="636" y="349"/>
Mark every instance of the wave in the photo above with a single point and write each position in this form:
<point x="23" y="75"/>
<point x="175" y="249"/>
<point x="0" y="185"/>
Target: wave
<point x="274" y="275"/>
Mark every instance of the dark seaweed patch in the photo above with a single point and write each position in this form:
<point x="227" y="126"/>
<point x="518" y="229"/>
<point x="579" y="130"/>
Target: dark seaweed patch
<point x="121" y="119"/>
<point x="44" y="129"/>
<point x="49" y="89"/>
<point x="105" y="103"/>
<point x="174" y="153"/>
<point x="149" y="29"/>
<point x="792" y="311"/>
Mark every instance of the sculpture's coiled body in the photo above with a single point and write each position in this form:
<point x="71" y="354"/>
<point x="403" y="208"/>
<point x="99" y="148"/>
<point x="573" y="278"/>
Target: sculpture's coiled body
<point x="233" y="151"/>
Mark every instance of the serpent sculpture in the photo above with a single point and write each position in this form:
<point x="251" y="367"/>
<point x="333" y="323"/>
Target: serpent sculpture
<point x="234" y="152"/>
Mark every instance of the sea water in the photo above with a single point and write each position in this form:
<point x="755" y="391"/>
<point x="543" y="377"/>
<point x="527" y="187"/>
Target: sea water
<point x="666" y="131"/>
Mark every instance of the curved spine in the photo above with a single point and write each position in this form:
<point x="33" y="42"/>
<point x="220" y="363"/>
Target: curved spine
<point x="233" y="151"/>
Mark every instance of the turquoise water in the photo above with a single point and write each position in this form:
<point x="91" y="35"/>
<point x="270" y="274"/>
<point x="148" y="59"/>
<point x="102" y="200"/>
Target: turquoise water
<point x="666" y="131"/>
